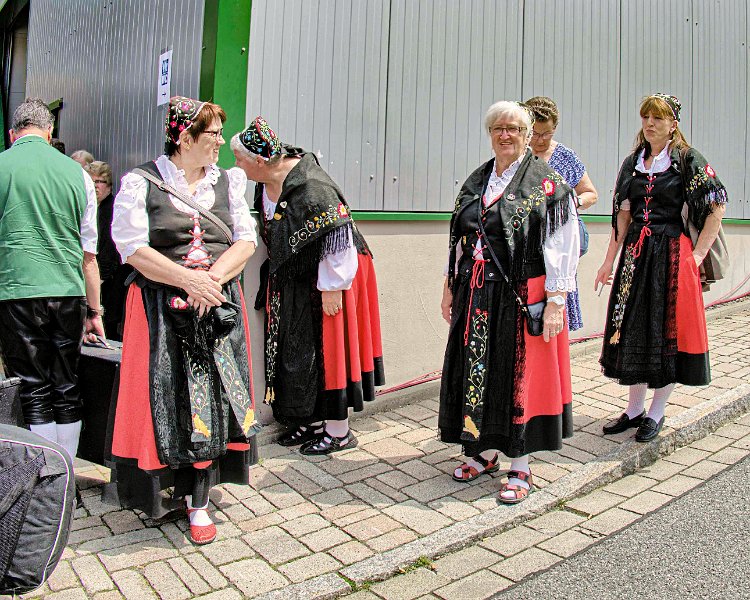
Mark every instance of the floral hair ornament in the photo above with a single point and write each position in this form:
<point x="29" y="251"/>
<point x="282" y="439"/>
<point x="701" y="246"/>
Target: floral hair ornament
<point x="181" y="116"/>
<point x="260" y="139"/>
<point x="672" y="102"/>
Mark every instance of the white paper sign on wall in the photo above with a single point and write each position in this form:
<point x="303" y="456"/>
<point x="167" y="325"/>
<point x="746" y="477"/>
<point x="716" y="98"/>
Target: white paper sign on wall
<point x="165" y="77"/>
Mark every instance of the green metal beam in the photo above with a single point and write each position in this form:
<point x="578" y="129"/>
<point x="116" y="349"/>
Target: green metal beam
<point x="226" y="34"/>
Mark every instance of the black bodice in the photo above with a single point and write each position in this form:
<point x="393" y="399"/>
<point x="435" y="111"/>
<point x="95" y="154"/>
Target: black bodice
<point x="663" y="213"/>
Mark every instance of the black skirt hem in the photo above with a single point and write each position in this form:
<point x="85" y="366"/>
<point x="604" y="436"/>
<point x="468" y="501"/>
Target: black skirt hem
<point x="690" y="369"/>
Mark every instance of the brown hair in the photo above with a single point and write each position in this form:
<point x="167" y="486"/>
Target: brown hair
<point x="207" y="114"/>
<point x="658" y="107"/>
<point x="100" y="169"/>
<point x="544" y="109"/>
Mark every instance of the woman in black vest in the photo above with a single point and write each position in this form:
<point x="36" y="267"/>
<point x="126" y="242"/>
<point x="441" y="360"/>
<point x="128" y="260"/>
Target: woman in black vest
<point x="188" y="401"/>
<point x="513" y="236"/>
<point x="655" y="334"/>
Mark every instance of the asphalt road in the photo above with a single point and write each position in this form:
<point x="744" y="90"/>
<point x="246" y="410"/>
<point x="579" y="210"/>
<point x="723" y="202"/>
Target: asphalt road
<point x="698" y="546"/>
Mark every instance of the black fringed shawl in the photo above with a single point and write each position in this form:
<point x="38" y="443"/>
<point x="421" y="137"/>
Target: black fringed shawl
<point x="312" y="219"/>
<point x="702" y="187"/>
<point x="535" y="204"/>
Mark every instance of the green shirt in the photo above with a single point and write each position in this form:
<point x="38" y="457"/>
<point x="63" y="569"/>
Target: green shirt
<point x="42" y="201"/>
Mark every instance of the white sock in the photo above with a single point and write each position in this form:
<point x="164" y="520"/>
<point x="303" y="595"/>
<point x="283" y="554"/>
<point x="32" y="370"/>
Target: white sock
<point x="486" y="455"/>
<point x="68" y="435"/>
<point x="198" y="517"/>
<point x="337" y="428"/>
<point x="520" y="464"/>
<point x="659" y="403"/>
<point x="47" y="430"/>
<point x="636" y="400"/>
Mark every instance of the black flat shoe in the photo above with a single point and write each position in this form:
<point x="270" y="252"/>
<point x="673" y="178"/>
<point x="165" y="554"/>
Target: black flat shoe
<point x="622" y="423"/>
<point x="648" y="430"/>
<point x="302" y="435"/>
<point x="328" y="444"/>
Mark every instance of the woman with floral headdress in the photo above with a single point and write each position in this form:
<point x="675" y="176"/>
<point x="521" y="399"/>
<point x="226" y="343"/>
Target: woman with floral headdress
<point x="655" y="334"/>
<point x="323" y="352"/>
<point x="185" y="410"/>
<point x="514" y="242"/>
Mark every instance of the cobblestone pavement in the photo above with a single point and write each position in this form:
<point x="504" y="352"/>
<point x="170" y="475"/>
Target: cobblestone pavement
<point x="303" y="517"/>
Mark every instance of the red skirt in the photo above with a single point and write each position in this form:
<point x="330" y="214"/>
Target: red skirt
<point x="133" y="435"/>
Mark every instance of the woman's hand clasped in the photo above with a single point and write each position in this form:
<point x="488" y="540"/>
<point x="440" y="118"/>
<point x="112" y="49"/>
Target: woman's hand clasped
<point x="554" y="320"/>
<point x="203" y="290"/>
<point x="333" y="302"/>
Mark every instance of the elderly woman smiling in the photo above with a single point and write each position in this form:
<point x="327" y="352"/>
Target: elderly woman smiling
<point x="513" y="254"/>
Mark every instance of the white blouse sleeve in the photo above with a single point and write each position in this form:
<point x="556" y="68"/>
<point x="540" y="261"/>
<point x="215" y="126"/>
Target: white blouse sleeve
<point x="337" y="271"/>
<point x="561" y="252"/>
<point x="129" y="218"/>
<point x="89" y="233"/>
<point x="243" y="223"/>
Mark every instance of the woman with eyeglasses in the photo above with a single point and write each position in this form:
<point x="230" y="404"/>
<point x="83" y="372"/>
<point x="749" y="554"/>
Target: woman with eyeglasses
<point x="185" y="411"/>
<point x="655" y="333"/>
<point x="566" y="162"/>
<point x="506" y="383"/>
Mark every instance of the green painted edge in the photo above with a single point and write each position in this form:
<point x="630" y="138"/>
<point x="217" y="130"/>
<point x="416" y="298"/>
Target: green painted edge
<point x="55" y="104"/>
<point x="224" y="63"/>
<point x="366" y="215"/>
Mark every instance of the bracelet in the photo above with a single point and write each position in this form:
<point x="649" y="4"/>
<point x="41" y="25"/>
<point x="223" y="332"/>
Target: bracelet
<point x="92" y="312"/>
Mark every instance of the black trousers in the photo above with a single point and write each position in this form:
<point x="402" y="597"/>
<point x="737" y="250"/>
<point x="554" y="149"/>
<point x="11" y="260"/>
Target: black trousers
<point x="41" y="343"/>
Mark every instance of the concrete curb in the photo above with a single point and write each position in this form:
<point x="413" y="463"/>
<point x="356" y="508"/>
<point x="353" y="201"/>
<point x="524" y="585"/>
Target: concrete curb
<point x="691" y="425"/>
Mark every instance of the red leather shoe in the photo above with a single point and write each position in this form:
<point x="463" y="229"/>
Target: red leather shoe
<point x="201" y="534"/>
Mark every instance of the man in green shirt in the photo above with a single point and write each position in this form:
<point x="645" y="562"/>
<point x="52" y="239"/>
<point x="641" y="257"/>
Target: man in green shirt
<point x="49" y="278"/>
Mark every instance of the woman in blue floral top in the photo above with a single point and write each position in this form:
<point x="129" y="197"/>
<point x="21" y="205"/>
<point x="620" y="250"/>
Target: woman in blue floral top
<point x="566" y="162"/>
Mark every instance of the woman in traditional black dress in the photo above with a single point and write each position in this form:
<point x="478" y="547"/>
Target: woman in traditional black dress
<point x="655" y="334"/>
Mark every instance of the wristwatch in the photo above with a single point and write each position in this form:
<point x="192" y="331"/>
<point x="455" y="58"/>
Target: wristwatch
<point x="92" y="312"/>
<point x="559" y="300"/>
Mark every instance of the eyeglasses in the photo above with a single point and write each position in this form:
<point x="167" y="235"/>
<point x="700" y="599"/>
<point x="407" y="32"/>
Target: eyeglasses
<point x="101" y="181"/>
<point x="510" y="130"/>
<point x="219" y="133"/>
<point x="543" y="136"/>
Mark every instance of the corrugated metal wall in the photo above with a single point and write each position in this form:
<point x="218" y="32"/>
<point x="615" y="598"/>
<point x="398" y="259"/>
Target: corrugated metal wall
<point x="101" y="59"/>
<point x="391" y="93"/>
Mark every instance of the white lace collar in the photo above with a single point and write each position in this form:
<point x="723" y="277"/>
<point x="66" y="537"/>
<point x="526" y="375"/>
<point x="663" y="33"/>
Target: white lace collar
<point x="176" y="176"/>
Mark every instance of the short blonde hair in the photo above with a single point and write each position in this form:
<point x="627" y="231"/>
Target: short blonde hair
<point x="100" y="169"/>
<point x="83" y="156"/>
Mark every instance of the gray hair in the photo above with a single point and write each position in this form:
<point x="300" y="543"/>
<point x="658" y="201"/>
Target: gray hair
<point x="32" y="112"/>
<point x="505" y="108"/>
<point x="82" y="156"/>
<point x="237" y="146"/>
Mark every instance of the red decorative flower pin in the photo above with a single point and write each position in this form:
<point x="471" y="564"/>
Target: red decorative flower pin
<point x="709" y="171"/>
<point x="548" y="186"/>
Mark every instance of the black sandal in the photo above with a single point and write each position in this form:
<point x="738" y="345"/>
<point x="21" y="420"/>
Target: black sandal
<point x="328" y="444"/>
<point x="302" y="435"/>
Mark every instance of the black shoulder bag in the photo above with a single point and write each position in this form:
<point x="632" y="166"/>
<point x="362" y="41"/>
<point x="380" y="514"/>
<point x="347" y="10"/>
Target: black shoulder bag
<point x="534" y="313"/>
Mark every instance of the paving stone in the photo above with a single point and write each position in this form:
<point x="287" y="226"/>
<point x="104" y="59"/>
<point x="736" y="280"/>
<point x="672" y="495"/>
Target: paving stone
<point x="594" y="503"/>
<point x="415" y="412"/>
<point x="453" y="508"/>
<point x="86" y="523"/>
<point x="324" y="539"/>
<point x="396" y="479"/>
<point x="82" y="536"/>
<point x="226" y="551"/>
<point x="259" y="505"/>
<point x="346" y="514"/>
<point x="365" y="473"/>
<point x="242" y="492"/>
<point x="611" y="520"/>
<point x="118" y="541"/>
<point x="350" y="552"/>
<point x="126" y="557"/>
<point x="392" y="451"/>
<point x="371" y="495"/>
<point x="567" y="543"/>
<point x="418" y="435"/>
<point x="189" y="576"/>
<point x="525" y="563"/>
<point x="372" y="527"/>
<point x="411" y="585"/>
<point x="298" y="510"/>
<point x="730" y="455"/>
<point x="282" y="496"/>
<point x="514" y="541"/>
<point x="305" y="524"/>
<point x="276" y="545"/>
<point x="110" y="595"/>
<point x="419" y="470"/>
<point x="261" y="478"/>
<point x="646" y="502"/>
<point x="223" y="595"/>
<point x="92" y="574"/>
<point x="677" y="485"/>
<point x="743" y="443"/>
<point x="704" y="469"/>
<point x="392" y="539"/>
<point x="123" y="521"/>
<point x="711" y="443"/>
<point x="478" y="586"/>
<point x="630" y="486"/>
<point x="238" y="512"/>
<point x="661" y="470"/>
<point x="165" y="581"/>
<point x="383" y="488"/>
<point x="432" y="489"/>
<point x="207" y="571"/>
<point x="465" y="562"/>
<point x="332" y="498"/>
<point x="418" y="517"/>
<point x="555" y="522"/>
<point x="348" y="460"/>
<point x="133" y="585"/>
<point x="687" y="456"/>
<point x="295" y="480"/>
<point x="254" y="577"/>
<point x="178" y="538"/>
<point x="309" y="567"/>
<point x="63" y="577"/>
<point x="69" y="594"/>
